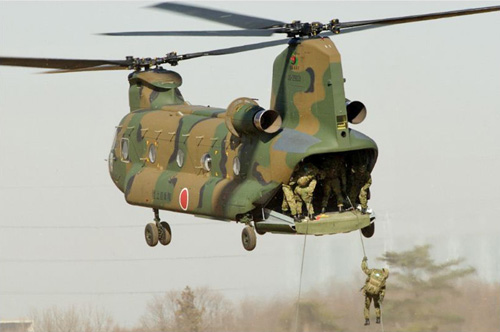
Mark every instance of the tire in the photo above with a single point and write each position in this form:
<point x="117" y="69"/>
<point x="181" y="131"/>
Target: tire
<point x="369" y="230"/>
<point x="151" y="234"/>
<point x="166" y="233"/>
<point x="248" y="238"/>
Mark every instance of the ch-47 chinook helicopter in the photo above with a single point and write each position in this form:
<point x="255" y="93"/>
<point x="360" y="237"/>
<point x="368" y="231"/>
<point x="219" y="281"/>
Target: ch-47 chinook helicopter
<point x="230" y="163"/>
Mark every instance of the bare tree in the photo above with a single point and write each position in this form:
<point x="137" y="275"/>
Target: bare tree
<point x="199" y="309"/>
<point x="72" y="319"/>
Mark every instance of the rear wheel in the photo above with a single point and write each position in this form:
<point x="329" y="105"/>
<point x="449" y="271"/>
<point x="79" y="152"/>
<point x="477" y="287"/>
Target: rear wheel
<point x="369" y="230"/>
<point x="151" y="234"/>
<point x="165" y="235"/>
<point x="248" y="238"/>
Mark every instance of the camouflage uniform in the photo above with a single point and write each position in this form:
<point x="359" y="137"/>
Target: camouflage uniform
<point x="358" y="179"/>
<point x="335" y="180"/>
<point x="374" y="289"/>
<point x="289" y="198"/>
<point x="306" y="182"/>
<point x="363" y="194"/>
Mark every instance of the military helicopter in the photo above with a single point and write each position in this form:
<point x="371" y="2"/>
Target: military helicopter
<point x="230" y="163"/>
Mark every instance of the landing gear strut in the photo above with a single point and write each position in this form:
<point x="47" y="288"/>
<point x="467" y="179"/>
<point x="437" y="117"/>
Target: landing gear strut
<point x="157" y="231"/>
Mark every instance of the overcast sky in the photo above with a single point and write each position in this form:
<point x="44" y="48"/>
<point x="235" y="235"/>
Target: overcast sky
<point x="67" y="236"/>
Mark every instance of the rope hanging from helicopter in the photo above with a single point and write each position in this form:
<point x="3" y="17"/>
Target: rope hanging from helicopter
<point x="380" y="304"/>
<point x="297" y="307"/>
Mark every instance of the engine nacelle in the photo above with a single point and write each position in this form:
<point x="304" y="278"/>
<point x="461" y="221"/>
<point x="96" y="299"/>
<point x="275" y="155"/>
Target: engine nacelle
<point x="245" y="116"/>
<point x="356" y="111"/>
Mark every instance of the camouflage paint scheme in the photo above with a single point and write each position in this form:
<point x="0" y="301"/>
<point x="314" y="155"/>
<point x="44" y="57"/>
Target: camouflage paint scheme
<point x="308" y="93"/>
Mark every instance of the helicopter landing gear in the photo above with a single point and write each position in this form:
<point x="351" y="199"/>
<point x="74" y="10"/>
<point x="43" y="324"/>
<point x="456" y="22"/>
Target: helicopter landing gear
<point x="369" y="230"/>
<point x="165" y="233"/>
<point x="248" y="238"/>
<point x="151" y="234"/>
<point x="157" y="231"/>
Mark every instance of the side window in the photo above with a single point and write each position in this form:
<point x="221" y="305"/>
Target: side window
<point x="152" y="153"/>
<point x="206" y="162"/>
<point x="180" y="158"/>
<point x="236" y="166"/>
<point x="124" y="149"/>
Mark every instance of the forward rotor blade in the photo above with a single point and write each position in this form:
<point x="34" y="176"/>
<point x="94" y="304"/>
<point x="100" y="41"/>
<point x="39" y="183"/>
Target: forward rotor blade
<point x="369" y="24"/>
<point x="211" y="33"/>
<point x="66" y="64"/>
<point x="99" y="68"/>
<point x="236" y="20"/>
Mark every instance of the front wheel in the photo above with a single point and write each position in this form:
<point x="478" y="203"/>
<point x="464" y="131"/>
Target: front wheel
<point x="248" y="238"/>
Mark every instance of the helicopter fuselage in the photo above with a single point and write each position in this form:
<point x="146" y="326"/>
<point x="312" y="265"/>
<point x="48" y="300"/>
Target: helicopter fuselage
<point x="218" y="162"/>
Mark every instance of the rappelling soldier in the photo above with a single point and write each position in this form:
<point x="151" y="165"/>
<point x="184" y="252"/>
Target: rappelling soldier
<point x="306" y="183"/>
<point x="335" y="180"/>
<point x="374" y="289"/>
<point x="290" y="199"/>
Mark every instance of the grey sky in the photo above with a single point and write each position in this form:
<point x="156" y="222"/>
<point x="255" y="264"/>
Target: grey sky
<point x="67" y="236"/>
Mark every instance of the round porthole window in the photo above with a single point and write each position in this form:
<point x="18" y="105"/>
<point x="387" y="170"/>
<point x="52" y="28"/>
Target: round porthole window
<point x="236" y="166"/>
<point x="180" y="158"/>
<point x="152" y="153"/>
<point x="124" y="149"/>
<point x="206" y="162"/>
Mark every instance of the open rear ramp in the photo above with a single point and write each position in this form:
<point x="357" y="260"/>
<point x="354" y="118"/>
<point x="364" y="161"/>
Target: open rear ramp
<point x="334" y="223"/>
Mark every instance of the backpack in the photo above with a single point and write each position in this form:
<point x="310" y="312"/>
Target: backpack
<point x="375" y="282"/>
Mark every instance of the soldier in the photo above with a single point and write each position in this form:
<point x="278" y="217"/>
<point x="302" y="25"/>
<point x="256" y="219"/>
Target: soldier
<point x="359" y="179"/>
<point x="290" y="199"/>
<point x="306" y="182"/>
<point x="374" y="289"/>
<point x="335" y="180"/>
<point x="364" y="195"/>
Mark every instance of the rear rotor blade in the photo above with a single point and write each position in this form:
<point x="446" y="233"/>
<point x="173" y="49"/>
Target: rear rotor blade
<point x="66" y="64"/>
<point x="236" y="49"/>
<point x="210" y="33"/>
<point x="369" y="24"/>
<point x="236" y="20"/>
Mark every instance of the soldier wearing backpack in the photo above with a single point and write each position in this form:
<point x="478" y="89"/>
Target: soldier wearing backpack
<point x="374" y="289"/>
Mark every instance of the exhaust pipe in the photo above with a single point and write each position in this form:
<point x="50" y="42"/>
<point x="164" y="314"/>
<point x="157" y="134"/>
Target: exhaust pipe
<point x="356" y="111"/>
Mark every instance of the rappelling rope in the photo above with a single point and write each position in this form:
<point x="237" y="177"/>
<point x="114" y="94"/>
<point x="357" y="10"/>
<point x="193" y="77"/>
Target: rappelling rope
<point x="297" y="307"/>
<point x="362" y="243"/>
<point x="364" y="255"/>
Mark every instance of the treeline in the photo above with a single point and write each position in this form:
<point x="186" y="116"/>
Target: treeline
<point x="422" y="295"/>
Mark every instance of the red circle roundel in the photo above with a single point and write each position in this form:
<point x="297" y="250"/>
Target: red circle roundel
<point x="184" y="199"/>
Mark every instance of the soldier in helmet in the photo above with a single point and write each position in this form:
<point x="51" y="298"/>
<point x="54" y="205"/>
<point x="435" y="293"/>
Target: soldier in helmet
<point x="364" y="194"/>
<point x="335" y="180"/>
<point x="290" y="199"/>
<point x="359" y="181"/>
<point x="374" y="289"/>
<point x="306" y="183"/>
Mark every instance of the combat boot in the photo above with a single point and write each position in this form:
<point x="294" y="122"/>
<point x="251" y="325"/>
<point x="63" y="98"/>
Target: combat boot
<point x="378" y="320"/>
<point x="367" y="321"/>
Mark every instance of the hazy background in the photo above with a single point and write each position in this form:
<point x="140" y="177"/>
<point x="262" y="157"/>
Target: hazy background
<point x="67" y="236"/>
